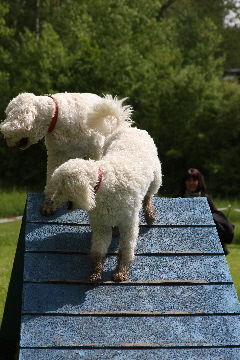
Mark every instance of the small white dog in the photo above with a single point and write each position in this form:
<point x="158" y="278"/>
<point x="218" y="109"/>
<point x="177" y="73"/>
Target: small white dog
<point x="112" y="190"/>
<point x="62" y="120"/>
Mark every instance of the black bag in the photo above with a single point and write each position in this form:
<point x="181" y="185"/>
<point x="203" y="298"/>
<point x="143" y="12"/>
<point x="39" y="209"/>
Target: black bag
<point x="224" y="228"/>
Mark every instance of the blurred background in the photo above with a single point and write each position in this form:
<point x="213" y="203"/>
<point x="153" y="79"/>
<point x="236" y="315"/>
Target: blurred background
<point x="173" y="59"/>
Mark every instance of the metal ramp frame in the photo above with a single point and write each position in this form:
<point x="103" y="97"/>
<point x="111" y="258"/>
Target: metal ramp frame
<point x="179" y="301"/>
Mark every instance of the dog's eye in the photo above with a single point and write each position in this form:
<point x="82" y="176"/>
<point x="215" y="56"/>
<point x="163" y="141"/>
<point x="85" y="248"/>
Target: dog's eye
<point x="85" y="158"/>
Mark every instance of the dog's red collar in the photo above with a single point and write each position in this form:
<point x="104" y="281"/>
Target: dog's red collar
<point x="96" y="187"/>
<point x="55" y="115"/>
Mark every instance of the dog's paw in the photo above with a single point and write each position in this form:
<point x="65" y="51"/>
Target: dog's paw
<point x="120" y="275"/>
<point x="47" y="207"/>
<point x="96" y="268"/>
<point x="95" y="277"/>
<point x="150" y="218"/>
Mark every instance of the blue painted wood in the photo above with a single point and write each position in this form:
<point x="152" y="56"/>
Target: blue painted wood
<point x="132" y="354"/>
<point x="121" y="331"/>
<point x="46" y="267"/>
<point x="50" y="237"/>
<point x="79" y="299"/>
<point x="176" y="211"/>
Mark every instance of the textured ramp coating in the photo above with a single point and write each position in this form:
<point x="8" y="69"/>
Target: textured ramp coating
<point x="131" y="354"/>
<point x="79" y="299"/>
<point x="51" y="237"/>
<point x="46" y="267"/>
<point x="182" y="211"/>
<point x="176" y="211"/>
<point x="179" y="301"/>
<point x="110" y="331"/>
<point x="62" y="216"/>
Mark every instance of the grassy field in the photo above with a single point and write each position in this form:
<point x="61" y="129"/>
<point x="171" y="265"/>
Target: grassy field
<point x="234" y="256"/>
<point x="234" y="265"/>
<point x="12" y="204"/>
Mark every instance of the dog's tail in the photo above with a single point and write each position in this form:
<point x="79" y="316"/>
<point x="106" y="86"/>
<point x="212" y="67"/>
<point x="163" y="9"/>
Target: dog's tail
<point x="109" y="114"/>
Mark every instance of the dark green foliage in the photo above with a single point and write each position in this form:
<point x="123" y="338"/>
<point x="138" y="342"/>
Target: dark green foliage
<point x="23" y="169"/>
<point x="166" y="56"/>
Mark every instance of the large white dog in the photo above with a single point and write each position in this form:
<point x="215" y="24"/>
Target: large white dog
<point x="62" y="120"/>
<point x="112" y="190"/>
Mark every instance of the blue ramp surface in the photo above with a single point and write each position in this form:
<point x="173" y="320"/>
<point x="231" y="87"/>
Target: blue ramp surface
<point x="178" y="303"/>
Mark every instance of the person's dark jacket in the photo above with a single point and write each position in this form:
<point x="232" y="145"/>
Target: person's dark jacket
<point x="224" y="228"/>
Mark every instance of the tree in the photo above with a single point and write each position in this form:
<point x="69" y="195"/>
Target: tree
<point x="165" y="56"/>
<point x="6" y="35"/>
<point x="39" y="64"/>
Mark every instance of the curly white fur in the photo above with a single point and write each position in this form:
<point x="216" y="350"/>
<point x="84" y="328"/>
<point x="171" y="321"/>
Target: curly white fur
<point x="106" y="116"/>
<point x="131" y="174"/>
<point x="29" y="117"/>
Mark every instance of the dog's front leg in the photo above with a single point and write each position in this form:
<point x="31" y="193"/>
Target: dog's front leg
<point x="54" y="160"/>
<point x="100" y="242"/>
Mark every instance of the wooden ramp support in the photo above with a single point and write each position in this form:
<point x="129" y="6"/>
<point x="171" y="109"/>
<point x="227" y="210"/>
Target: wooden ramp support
<point x="179" y="302"/>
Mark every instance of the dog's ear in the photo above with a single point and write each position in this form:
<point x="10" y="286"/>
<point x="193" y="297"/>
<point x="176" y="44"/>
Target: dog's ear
<point x="74" y="181"/>
<point x="80" y="191"/>
<point x="109" y="114"/>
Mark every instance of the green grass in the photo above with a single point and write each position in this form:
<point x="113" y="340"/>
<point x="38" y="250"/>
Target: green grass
<point x="13" y="203"/>
<point x="234" y="265"/>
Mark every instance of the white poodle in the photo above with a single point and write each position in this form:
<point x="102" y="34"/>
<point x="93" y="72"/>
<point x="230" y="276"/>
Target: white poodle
<point x="112" y="190"/>
<point x="62" y="120"/>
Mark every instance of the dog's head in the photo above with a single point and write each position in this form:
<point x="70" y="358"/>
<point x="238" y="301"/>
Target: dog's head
<point x="21" y="127"/>
<point x="74" y="181"/>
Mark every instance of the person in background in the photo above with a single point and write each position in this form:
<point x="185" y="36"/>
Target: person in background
<point x="193" y="185"/>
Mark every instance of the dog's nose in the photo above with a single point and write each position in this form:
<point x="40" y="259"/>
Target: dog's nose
<point x="69" y="205"/>
<point x="22" y="143"/>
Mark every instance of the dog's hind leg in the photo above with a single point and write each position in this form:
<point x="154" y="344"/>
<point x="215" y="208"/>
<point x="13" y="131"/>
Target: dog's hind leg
<point x="149" y="210"/>
<point x="128" y="239"/>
